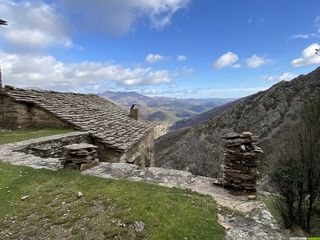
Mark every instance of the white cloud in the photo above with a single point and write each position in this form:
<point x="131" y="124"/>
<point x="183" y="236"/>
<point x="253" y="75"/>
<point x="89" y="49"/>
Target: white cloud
<point x="203" y="93"/>
<point x="236" y="65"/>
<point x="48" y="73"/>
<point x="310" y="35"/>
<point x="317" y="23"/>
<point x="181" y="58"/>
<point x="255" y="61"/>
<point x="308" y="57"/>
<point x="283" y="77"/>
<point x="152" y="58"/>
<point x="32" y="24"/>
<point x="226" y="60"/>
<point x="306" y="36"/>
<point x="253" y="19"/>
<point x="118" y="17"/>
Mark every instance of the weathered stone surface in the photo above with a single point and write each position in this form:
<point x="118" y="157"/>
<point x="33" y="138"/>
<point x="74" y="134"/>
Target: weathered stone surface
<point x="79" y="156"/>
<point x="54" y="147"/>
<point x="252" y="197"/>
<point x="139" y="226"/>
<point x="256" y="225"/>
<point x="23" y="198"/>
<point x="17" y="153"/>
<point x="80" y="146"/>
<point x="239" y="165"/>
<point x="79" y="194"/>
<point x="225" y="225"/>
<point x="246" y="134"/>
<point x="231" y="135"/>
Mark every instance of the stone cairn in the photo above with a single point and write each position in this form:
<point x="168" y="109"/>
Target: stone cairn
<point x="80" y="156"/>
<point x="240" y="163"/>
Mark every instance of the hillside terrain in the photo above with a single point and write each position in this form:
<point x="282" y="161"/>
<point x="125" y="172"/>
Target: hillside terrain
<point x="118" y="201"/>
<point x="200" y="118"/>
<point x="44" y="204"/>
<point x="161" y="109"/>
<point x="266" y="114"/>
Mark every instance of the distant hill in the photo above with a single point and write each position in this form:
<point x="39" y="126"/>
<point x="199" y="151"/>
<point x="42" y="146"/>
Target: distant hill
<point x="200" y="118"/>
<point x="265" y="113"/>
<point x="164" y="108"/>
<point x="159" y="116"/>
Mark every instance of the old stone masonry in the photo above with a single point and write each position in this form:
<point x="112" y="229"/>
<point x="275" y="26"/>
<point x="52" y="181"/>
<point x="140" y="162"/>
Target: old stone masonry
<point x="254" y="222"/>
<point x="240" y="163"/>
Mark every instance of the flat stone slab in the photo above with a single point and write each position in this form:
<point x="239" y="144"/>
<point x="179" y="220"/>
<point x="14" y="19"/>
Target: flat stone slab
<point x="80" y="146"/>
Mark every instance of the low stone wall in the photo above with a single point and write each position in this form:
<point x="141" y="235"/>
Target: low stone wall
<point x="54" y="147"/>
<point x="17" y="154"/>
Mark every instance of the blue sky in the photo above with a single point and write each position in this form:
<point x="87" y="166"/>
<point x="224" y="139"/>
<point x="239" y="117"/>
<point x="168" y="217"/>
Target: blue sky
<point x="176" y="48"/>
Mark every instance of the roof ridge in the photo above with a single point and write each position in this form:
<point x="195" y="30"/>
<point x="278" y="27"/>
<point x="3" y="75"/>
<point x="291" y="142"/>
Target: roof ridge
<point x="107" y="120"/>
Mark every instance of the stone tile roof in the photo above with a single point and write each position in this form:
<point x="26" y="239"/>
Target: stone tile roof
<point x="105" y="120"/>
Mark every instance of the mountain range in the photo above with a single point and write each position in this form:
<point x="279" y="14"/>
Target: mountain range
<point x="267" y="114"/>
<point x="160" y="109"/>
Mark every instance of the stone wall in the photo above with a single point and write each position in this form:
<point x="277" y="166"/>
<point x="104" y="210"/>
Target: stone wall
<point x="15" y="115"/>
<point x="55" y="146"/>
<point x="141" y="154"/>
<point x="107" y="154"/>
<point x="8" y="114"/>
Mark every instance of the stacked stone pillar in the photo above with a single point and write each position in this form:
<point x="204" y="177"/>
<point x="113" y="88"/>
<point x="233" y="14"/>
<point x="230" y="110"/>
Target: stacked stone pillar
<point x="80" y="156"/>
<point x="240" y="162"/>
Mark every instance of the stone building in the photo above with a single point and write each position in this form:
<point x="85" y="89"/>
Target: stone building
<point x="119" y="137"/>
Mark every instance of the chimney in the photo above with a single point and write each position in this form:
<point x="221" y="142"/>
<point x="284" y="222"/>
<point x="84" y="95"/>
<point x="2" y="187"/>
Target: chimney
<point x="134" y="112"/>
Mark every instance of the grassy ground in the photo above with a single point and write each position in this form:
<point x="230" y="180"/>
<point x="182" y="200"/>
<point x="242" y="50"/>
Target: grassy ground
<point x="25" y="134"/>
<point x="108" y="209"/>
<point x="270" y="202"/>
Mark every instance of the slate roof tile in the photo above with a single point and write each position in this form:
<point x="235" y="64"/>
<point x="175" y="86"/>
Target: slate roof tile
<point x="106" y="120"/>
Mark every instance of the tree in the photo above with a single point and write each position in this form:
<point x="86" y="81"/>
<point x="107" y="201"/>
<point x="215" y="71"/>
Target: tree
<point x="309" y="136"/>
<point x="297" y="176"/>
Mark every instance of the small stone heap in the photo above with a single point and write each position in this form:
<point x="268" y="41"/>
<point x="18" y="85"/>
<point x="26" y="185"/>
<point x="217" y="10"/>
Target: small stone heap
<point x="240" y="163"/>
<point x="80" y="156"/>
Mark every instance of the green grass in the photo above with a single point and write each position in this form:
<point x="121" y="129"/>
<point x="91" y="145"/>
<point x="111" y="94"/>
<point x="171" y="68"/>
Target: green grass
<point x="25" y="134"/>
<point x="107" y="210"/>
<point x="271" y="201"/>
